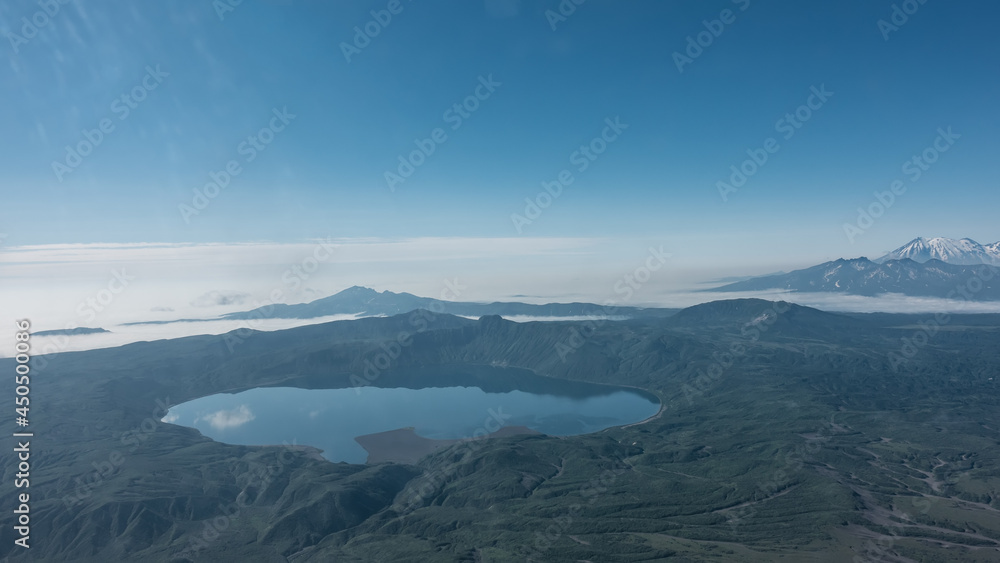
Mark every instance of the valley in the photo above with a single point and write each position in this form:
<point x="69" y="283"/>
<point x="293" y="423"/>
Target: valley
<point x="806" y="444"/>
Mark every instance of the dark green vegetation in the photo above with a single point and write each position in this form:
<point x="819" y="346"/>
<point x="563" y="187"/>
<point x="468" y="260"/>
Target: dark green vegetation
<point x="787" y="434"/>
<point x="861" y="276"/>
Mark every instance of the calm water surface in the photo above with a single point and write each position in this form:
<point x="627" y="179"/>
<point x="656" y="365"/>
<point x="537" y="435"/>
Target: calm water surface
<point x="330" y="419"/>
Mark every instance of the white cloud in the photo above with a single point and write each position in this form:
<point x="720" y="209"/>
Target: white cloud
<point x="69" y="285"/>
<point x="353" y="250"/>
<point x="216" y="298"/>
<point x="57" y="286"/>
<point x="840" y="302"/>
<point x="223" y="420"/>
<point x="573" y="318"/>
<point x="121" y="335"/>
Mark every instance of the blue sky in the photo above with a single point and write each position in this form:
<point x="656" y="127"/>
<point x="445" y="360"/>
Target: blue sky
<point x="220" y="79"/>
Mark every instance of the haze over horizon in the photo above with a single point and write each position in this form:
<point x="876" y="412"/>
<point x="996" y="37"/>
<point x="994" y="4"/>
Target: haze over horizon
<point x="500" y="280"/>
<point x="340" y="120"/>
<point x="534" y="164"/>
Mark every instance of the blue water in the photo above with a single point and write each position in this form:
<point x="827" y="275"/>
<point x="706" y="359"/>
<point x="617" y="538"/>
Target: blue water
<point x="330" y="419"/>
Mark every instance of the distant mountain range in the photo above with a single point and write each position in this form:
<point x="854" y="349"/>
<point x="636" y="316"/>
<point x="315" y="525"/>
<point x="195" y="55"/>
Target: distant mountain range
<point x="861" y="276"/>
<point x="937" y="267"/>
<point x="965" y="251"/>
<point x="738" y="380"/>
<point x="366" y="302"/>
<point x="71" y="331"/>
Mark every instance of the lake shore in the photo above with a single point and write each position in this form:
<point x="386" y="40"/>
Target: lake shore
<point x="404" y="445"/>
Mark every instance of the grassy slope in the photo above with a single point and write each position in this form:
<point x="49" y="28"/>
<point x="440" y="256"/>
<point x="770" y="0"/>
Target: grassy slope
<point x="804" y="445"/>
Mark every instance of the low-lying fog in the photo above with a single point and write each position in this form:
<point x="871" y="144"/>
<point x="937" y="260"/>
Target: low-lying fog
<point x="106" y="286"/>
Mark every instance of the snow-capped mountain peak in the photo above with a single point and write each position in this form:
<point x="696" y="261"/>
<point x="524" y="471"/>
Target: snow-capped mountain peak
<point x="962" y="251"/>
